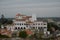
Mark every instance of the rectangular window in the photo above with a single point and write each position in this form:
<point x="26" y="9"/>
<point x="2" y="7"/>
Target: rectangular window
<point x="44" y="24"/>
<point x="44" y="27"/>
<point x="39" y="28"/>
<point x="33" y="24"/>
<point x="38" y="23"/>
<point x="24" y="24"/>
<point x="36" y="27"/>
<point x="20" y="24"/>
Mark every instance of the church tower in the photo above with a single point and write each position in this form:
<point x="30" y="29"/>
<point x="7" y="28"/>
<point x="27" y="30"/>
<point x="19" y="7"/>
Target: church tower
<point x="34" y="17"/>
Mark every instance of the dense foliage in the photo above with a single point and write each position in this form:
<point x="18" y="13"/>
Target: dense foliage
<point x="3" y="36"/>
<point x="4" y="20"/>
<point x="23" y="34"/>
<point x="51" y="24"/>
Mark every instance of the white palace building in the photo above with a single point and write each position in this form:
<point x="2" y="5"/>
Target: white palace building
<point x="22" y="22"/>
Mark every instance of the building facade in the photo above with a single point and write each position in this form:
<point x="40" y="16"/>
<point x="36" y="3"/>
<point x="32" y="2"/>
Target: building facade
<point x="22" y="22"/>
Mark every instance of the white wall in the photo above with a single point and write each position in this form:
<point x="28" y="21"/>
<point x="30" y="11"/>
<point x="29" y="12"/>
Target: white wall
<point x="19" y="24"/>
<point x="40" y="24"/>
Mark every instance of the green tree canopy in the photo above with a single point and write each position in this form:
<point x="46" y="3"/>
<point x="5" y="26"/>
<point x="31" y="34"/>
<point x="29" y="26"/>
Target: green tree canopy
<point x="9" y="22"/>
<point x="51" y="24"/>
<point x="3" y="36"/>
<point x="3" y="20"/>
<point x="23" y="34"/>
<point x="0" y="25"/>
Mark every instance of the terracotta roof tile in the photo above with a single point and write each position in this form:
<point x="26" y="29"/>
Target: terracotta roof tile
<point x="18" y="14"/>
<point x="29" y="31"/>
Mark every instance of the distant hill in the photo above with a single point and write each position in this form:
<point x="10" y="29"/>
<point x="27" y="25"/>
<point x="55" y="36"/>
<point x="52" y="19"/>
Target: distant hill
<point x="10" y="18"/>
<point x="45" y="18"/>
<point x="42" y="18"/>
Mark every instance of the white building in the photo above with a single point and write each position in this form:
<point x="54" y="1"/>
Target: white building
<point x="39" y="25"/>
<point x="22" y="22"/>
<point x="28" y="22"/>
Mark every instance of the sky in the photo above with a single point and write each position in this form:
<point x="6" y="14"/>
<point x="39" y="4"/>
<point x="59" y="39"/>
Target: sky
<point x="42" y="8"/>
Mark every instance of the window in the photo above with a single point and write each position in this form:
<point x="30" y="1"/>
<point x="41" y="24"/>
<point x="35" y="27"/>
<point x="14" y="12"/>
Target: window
<point x="21" y="28"/>
<point x="17" y="23"/>
<point x="44" y="27"/>
<point x="33" y="24"/>
<point x="20" y="24"/>
<point x="39" y="28"/>
<point x="18" y="27"/>
<point x="33" y="27"/>
<point x="36" y="27"/>
<point x="15" y="27"/>
<point x="24" y="24"/>
<point x="44" y="24"/>
<point x="36" y="23"/>
<point x="39" y="24"/>
<point x="24" y="28"/>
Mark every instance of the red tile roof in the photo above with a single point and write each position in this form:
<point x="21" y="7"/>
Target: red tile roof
<point x="29" y="31"/>
<point x="18" y="14"/>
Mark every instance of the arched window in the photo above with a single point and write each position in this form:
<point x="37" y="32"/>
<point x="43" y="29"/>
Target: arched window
<point x="18" y="27"/>
<point x="21" y="28"/>
<point x="39" y="28"/>
<point x="15" y="27"/>
<point x="24" y="28"/>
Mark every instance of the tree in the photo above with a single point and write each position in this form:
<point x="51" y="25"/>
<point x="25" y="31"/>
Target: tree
<point x="3" y="20"/>
<point x="0" y="25"/>
<point x="9" y="22"/>
<point x="51" y="24"/>
<point x="23" y="34"/>
<point x="3" y="36"/>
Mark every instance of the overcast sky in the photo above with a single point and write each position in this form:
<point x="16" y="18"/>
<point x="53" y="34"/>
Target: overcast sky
<point x="42" y="8"/>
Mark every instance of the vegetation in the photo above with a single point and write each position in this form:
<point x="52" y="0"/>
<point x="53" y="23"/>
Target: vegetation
<point x="9" y="22"/>
<point x="4" y="20"/>
<point x="3" y="36"/>
<point x="23" y="34"/>
<point x="0" y="25"/>
<point x="51" y="24"/>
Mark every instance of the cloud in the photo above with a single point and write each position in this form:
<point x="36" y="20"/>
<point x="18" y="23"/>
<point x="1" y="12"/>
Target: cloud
<point x="42" y="8"/>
